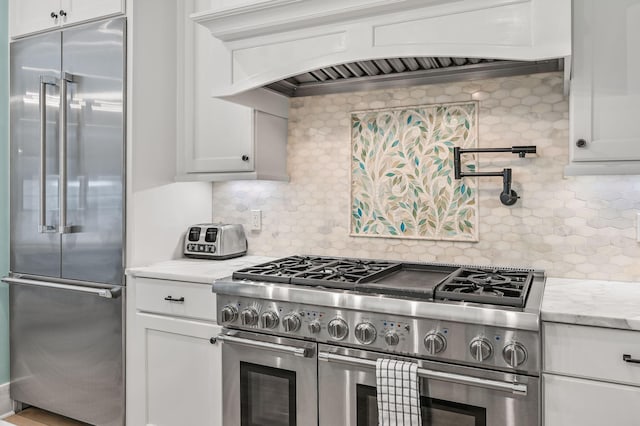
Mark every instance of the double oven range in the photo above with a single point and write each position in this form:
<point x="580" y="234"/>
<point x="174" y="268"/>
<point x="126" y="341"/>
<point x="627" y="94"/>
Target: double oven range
<point x="302" y="335"/>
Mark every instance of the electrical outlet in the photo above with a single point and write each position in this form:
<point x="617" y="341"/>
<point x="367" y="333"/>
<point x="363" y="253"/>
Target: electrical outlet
<point x="256" y="220"/>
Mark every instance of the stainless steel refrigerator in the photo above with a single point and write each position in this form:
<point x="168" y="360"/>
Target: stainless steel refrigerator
<point x="67" y="125"/>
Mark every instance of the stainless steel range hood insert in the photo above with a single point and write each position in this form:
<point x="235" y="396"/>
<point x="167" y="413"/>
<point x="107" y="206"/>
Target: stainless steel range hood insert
<point x="403" y="72"/>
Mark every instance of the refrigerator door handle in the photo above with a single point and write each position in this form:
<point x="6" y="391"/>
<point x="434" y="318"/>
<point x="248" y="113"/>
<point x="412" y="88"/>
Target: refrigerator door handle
<point x="44" y="82"/>
<point x="107" y="293"/>
<point x="64" y="88"/>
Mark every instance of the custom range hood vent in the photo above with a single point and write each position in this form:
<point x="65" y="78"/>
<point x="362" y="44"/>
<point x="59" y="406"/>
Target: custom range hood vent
<point x="404" y="72"/>
<point x="311" y="47"/>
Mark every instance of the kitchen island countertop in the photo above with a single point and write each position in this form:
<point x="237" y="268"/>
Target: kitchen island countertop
<point x="196" y="270"/>
<point x="610" y="304"/>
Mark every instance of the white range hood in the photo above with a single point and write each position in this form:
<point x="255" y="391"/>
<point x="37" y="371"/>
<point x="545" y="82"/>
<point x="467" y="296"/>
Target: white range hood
<point x="287" y="45"/>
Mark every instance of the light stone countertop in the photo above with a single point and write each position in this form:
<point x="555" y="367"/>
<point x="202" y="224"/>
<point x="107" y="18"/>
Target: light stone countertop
<point x="610" y="304"/>
<point x="196" y="270"/>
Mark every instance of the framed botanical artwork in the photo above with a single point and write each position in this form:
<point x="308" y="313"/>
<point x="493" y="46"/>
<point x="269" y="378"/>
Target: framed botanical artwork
<point x="402" y="173"/>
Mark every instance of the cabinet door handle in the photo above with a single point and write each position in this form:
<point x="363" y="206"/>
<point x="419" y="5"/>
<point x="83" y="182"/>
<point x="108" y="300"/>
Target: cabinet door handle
<point x="245" y="158"/>
<point x="54" y="15"/>
<point x="171" y="299"/>
<point x="63" y="13"/>
<point x="581" y="143"/>
<point x="627" y="358"/>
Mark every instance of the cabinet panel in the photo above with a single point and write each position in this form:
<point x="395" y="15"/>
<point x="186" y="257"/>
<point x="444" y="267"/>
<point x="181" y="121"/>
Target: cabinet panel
<point x="183" y="384"/>
<point x="220" y="139"/>
<point x="605" y="86"/>
<point x="223" y="137"/>
<point x="570" y="401"/>
<point x="85" y="10"/>
<point x="222" y="130"/>
<point x="591" y="352"/>
<point x="30" y="16"/>
<point x="197" y="299"/>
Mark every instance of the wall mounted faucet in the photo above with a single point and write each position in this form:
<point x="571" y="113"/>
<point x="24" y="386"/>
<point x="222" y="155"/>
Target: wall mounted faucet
<point x="508" y="196"/>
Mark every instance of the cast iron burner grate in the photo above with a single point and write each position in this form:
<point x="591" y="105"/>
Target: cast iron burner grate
<point x="343" y="273"/>
<point x="329" y="272"/>
<point x="281" y="270"/>
<point x="491" y="286"/>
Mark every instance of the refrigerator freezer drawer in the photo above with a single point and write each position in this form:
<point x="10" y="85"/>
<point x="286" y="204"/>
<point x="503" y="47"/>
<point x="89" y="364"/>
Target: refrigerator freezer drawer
<point x="67" y="351"/>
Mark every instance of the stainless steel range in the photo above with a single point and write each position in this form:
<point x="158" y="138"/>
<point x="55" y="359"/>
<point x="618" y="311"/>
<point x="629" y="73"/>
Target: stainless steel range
<point x="308" y="328"/>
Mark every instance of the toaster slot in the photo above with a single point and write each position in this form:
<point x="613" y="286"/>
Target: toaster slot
<point x="211" y="235"/>
<point x="194" y="234"/>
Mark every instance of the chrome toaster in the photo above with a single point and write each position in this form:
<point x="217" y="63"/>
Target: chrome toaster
<point x="215" y="241"/>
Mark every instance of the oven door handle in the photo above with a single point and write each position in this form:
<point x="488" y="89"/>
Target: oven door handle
<point x="516" y="388"/>
<point x="293" y="350"/>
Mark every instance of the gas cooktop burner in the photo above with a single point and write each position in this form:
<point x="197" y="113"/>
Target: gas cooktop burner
<point x="414" y="281"/>
<point x="494" y="286"/>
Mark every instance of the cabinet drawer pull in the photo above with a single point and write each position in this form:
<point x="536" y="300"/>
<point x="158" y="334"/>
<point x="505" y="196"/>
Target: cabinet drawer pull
<point x="171" y="299"/>
<point x="627" y="358"/>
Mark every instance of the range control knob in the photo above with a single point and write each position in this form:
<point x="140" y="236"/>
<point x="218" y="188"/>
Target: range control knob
<point x="249" y="316"/>
<point x="338" y="329"/>
<point x="481" y="349"/>
<point x="229" y="314"/>
<point x="314" y="327"/>
<point x="392" y="338"/>
<point x="514" y="354"/>
<point x="366" y="333"/>
<point x="291" y="322"/>
<point x="435" y="342"/>
<point x="269" y="320"/>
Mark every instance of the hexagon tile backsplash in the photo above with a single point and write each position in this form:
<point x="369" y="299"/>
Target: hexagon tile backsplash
<point x="574" y="227"/>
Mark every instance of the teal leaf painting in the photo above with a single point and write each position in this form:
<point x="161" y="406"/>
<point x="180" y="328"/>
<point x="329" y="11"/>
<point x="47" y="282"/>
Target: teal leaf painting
<point x="402" y="169"/>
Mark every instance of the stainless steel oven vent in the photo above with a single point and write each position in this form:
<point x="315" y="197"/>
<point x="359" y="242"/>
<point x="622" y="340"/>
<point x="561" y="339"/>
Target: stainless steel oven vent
<point x="403" y="72"/>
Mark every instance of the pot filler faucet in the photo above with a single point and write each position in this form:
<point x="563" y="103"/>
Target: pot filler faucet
<point x="508" y="196"/>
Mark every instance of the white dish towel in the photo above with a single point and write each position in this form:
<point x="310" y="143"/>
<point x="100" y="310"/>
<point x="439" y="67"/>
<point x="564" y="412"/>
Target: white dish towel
<point x="398" y="393"/>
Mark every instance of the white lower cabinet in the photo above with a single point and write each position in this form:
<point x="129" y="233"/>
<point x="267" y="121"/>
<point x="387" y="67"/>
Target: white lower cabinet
<point x="173" y="370"/>
<point x="183" y="383"/>
<point x="589" y="376"/>
<point x="570" y="401"/>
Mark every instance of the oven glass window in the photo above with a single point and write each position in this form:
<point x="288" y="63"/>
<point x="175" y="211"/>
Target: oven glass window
<point x="435" y="412"/>
<point x="267" y="396"/>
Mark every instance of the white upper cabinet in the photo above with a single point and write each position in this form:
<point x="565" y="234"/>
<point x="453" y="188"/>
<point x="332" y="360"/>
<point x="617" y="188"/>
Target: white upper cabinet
<point x="85" y="10"/>
<point x="218" y="139"/>
<point x="32" y="16"/>
<point x="605" y="88"/>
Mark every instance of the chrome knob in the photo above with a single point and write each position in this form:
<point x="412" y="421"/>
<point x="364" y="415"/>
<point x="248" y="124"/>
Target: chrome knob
<point x="54" y="15"/>
<point x="514" y="354"/>
<point x="291" y="322"/>
<point x="435" y="342"/>
<point x="314" y="327"/>
<point x="392" y="338"/>
<point x="63" y="13"/>
<point x="481" y="349"/>
<point x="338" y="329"/>
<point x="229" y="314"/>
<point x="269" y="320"/>
<point x="366" y="333"/>
<point x="249" y="316"/>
